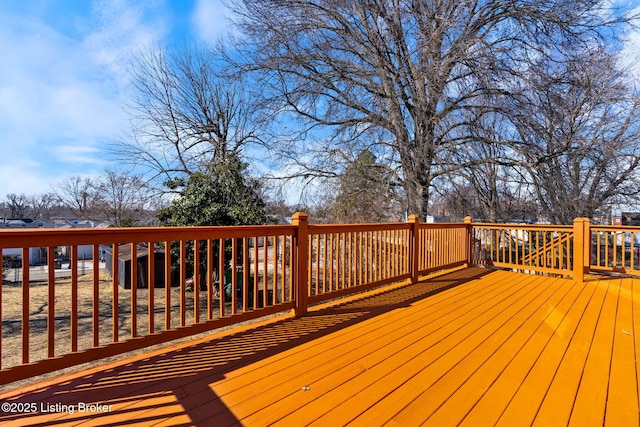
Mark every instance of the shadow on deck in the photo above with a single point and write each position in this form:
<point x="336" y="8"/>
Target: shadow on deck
<point x="472" y="346"/>
<point x="173" y="385"/>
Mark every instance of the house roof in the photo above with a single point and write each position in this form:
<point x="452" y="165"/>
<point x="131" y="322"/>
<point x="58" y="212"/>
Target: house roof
<point x="124" y="251"/>
<point x="22" y="223"/>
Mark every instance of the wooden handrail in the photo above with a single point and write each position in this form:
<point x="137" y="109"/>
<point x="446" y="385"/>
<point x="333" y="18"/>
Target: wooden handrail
<point x="300" y="221"/>
<point x="581" y="248"/>
<point x="278" y="268"/>
<point x="268" y="269"/>
<point x="615" y="249"/>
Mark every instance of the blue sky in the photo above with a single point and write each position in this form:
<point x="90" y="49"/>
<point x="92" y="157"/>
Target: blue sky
<point x="63" y="79"/>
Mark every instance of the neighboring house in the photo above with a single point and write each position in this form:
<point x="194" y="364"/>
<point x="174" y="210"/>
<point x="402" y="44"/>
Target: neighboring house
<point x="38" y="256"/>
<point x="60" y="222"/>
<point x="84" y="251"/>
<point x="23" y="223"/>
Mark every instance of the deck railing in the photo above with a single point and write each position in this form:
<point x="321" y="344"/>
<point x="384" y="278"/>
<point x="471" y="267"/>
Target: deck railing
<point x="561" y="250"/>
<point x="615" y="249"/>
<point x="345" y="257"/>
<point x="441" y="246"/>
<point x="176" y="282"/>
<point x="535" y="248"/>
<point x="131" y="288"/>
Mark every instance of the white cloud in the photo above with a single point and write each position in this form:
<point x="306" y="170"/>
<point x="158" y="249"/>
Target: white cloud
<point x="36" y="61"/>
<point x="210" y="19"/>
<point x="64" y="79"/>
<point x="631" y="51"/>
<point x="19" y="177"/>
<point x="61" y="90"/>
<point x="119" y="28"/>
<point x="87" y="154"/>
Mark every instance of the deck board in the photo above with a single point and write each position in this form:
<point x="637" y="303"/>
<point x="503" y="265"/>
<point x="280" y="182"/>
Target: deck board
<point x="559" y="327"/>
<point x="635" y="312"/>
<point x="416" y="393"/>
<point x="479" y="370"/>
<point x="473" y="347"/>
<point x="521" y="356"/>
<point x="590" y="403"/>
<point x="357" y="359"/>
<point x="623" y="394"/>
<point x="408" y="355"/>
<point x="558" y="403"/>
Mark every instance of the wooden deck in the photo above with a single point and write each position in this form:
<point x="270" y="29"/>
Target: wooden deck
<point x="472" y="347"/>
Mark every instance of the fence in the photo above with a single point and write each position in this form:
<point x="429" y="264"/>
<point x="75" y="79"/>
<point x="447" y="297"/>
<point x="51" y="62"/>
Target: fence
<point x="540" y="248"/>
<point x="347" y="257"/>
<point x="559" y="250"/>
<point x="146" y="286"/>
<point x="527" y="248"/>
<point x="441" y="246"/>
<point x="615" y="249"/>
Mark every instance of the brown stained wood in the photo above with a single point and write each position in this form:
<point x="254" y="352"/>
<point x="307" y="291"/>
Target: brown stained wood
<point x="590" y="403"/>
<point x="376" y="358"/>
<point x="433" y="372"/>
<point x="472" y="346"/>
<point x="462" y="387"/>
<point x="497" y="398"/>
<point x="25" y="307"/>
<point x="635" y="295"/>
<point x="561" y="323"/>
<point x="558" y="402"/>
<point x="622" y="396"/>
<point x="448" y="372"/>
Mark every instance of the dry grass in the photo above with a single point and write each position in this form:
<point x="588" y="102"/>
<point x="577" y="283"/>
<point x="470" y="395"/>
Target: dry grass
<point x="38" y="314"/>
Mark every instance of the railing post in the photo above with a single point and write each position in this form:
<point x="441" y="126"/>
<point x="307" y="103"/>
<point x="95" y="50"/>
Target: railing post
<point x="301" y="221"/>
<point x="578" y="249"/>
<point x="414" y="250"/>
<point x="469" y="240"/>
<point x="587" y="245"/>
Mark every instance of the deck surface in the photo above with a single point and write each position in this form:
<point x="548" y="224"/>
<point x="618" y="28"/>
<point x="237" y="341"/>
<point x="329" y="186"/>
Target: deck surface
<point x="473" y="347"/>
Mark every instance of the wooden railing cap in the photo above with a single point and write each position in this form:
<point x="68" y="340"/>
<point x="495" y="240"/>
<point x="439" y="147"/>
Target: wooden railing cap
<point x="413" y="218"/>
<point x="300" y="216"/>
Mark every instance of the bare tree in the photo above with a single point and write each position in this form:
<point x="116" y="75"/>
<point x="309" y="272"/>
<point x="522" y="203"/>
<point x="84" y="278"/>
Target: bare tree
<point x="186" y="114"/>
<point x="123" y="199"/>
<point x="490" y="188"/>
<point x="117" y="197"/>
<point x="400" y="75"/>
<point x="42" y="205"/>
<point x="79" y="195"/>
<point x="17" y="205"/>
<point x="578" y="134"/>
<point x="485" y="200"/>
